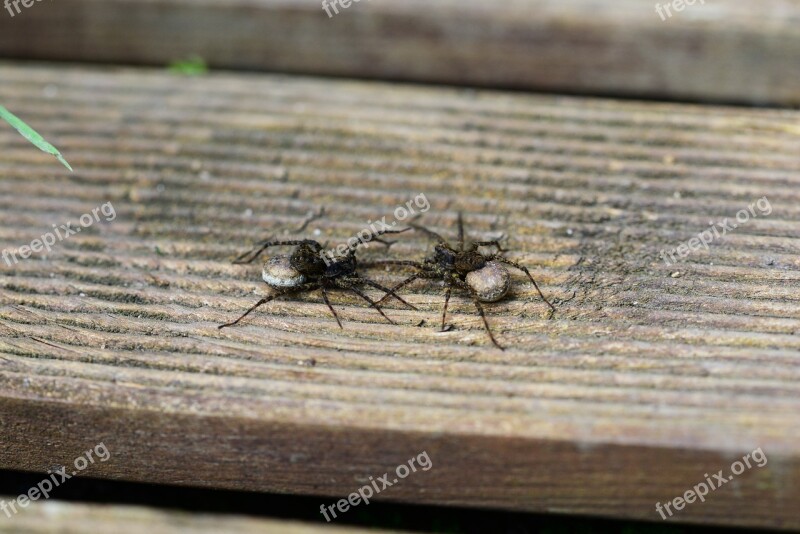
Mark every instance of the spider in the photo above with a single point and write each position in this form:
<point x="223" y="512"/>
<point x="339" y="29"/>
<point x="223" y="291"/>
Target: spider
<point x="305" y="269"/>
<point x="484" y="277"/>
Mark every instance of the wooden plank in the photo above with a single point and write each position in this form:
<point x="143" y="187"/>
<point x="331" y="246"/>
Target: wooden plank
<point x="54" y="517"/>
<point x="731" y="51"/>
<point x="647" y="377"/>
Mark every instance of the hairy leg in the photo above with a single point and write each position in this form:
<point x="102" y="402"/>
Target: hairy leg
<point x="526" y="271"/>
<point x="429" y="233"/>
<point x="485" y="322"/>
<point x="407" y="281"/>
<point x="264" y="245"/>
<point x="265" y="300"/>
<point x="446" y="302"/>
<point x="493" y="243"/>
<point x="375" y="237"/>
<point x="479" y="307"/>
<point x="389" y="292"/>
<point x="372" y="303"/>
<point x="312" y="217"/>
<point x="328" y="302"/>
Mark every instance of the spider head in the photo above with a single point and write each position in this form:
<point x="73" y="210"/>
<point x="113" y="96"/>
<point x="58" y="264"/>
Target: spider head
<point x="445" y="256"/>
<point x="341" y="266"/>
<point x="307" y="260"/>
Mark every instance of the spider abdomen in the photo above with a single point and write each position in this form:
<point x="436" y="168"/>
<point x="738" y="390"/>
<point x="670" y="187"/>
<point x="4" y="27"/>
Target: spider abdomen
<point x="279" y="272"/>
<point x="491" y="282"/>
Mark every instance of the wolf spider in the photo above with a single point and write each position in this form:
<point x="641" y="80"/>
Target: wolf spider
<point x="483" y="276"/>
<point x="305" y="270"/>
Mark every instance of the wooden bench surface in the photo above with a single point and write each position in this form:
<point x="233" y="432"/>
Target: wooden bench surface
<point x="647" y="377"/>
<point x="721" y="50"/>
<point x="55" y="517"/>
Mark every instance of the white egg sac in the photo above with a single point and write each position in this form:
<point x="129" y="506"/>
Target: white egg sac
<point x="278" y="272"/>
<point x="491" y="283"/>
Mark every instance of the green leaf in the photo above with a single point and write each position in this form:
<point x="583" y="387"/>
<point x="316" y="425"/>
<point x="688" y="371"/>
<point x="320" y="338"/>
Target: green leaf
<point x="191" y="66"/>
<point x="31" y="135"/>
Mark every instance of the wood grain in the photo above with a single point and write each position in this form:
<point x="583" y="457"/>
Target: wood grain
<point x="722" y="50"/>
<point x="647" y="377"/>
<point x="69" y="518"/>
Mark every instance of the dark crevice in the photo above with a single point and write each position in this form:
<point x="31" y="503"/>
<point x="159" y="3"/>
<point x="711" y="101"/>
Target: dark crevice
<point x="416" y="518"/>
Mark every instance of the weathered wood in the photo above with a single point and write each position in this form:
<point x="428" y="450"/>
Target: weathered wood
<point x="54" y="517"/>
<point x="736" y="51"/>
<point x="647" y="377"/>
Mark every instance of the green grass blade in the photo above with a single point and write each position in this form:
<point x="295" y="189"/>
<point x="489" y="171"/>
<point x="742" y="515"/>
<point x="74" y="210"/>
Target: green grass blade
<point x="191" y="66"/>
<point x="31" y="135"/>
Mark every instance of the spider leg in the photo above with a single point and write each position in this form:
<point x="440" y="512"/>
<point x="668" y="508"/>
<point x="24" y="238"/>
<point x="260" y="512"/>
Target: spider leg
<point x="478" y="306"/>
<point x="389" y="292"/>
<point x="429" y="233"/>
<point x="312" y="217"/>
<point x="261" y="247"/>
<point x="526" y="271"/>
<point x="255" y="251"/>
<point x="446" y="302"/>
<point x="485" y="322"/>
<point x="264" y="301"/>
<point x="374" y="237"/>
<point x="493" y="243"/>
<point x="328" y="302"/>
<point x="405" y="282"/>
<point x="372" y="303"/>
<point x="382" y="232"/>
<point x="383" y="241"/>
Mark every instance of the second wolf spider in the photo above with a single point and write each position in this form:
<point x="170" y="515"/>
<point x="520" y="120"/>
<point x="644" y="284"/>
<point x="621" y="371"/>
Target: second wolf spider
<point x="305" y="269"/>
<point x="483" y="276"/>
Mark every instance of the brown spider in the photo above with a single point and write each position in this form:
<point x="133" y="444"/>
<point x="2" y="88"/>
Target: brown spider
<point x="484" y="277"/>
<point x="305" y="269"/>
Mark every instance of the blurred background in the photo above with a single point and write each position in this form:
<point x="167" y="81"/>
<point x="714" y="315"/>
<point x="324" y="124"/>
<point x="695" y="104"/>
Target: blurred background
<point x="712" y="50"/>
